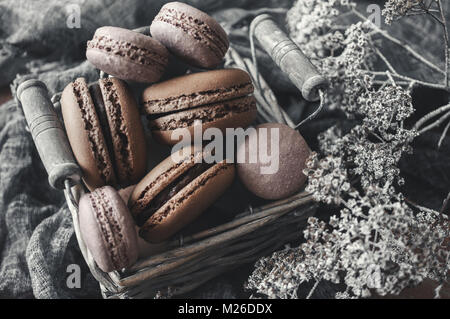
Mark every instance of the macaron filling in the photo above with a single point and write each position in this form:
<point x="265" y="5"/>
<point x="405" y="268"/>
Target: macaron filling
<point x="196" y="28"/>
<point x="170" y="191"/>
<point x="109" y="114"/>
<point x="118" y="129"/>
<point x="129" y="51"/>
<point x="169" y="207"/>
<point x="208" y="113"/>
<point x="99" y="105"/>
<point x="95" y="134"/>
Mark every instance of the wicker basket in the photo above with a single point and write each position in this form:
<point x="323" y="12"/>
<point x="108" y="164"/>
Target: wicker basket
<point x="185" y="263"/>
<point x="188" y="262"/>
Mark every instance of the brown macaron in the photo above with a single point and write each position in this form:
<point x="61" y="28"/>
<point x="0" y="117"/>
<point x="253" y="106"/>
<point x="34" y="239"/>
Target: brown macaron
<point x="105" y="132"/>
<point x="288" y="154"/>
<point x="190" y="34"/>
<point x="107" y="229"/>
<point x="219" y="98"/>
<point x="176" y="192"/>
<point x="127" y="55"/>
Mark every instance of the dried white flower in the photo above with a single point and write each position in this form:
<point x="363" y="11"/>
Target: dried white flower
<point x="376" y="243"/>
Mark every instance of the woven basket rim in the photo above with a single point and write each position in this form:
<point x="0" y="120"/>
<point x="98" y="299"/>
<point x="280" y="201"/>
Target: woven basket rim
<point x="118" y="282"/>
<point x="141" y="279"/>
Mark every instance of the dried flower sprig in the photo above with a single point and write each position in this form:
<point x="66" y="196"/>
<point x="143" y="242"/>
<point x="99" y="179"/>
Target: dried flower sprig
<point x="379" y="241"/>
<point x="315" y="27"/>
<point x="376" y="244"/>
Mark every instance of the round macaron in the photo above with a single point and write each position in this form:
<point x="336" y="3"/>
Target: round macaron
<point x="219" y="98"/>
<point x="190" y="34"/>
<point x="107" y="229"/>
<point x="281" y="175"/>
<point x="176" y="192"/>
<point x="127" y="55"/>
<point x="105" y="132"/>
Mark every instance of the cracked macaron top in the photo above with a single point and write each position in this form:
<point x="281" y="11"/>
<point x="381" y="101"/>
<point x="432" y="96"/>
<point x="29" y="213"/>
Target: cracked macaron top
<point x="190" y="34"/>
<point x="127" y="55"/>
<point x="219" y="98"/>
<point x="104" y="130"/>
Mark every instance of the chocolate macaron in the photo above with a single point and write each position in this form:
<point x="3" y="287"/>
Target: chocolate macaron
<point x="219" y="98"/>
<point x="105" y="132"/>
<point x="176" y="192"/>
<point x="190" y="34"/>
<point x="107" y="229"/>
<point x="282" y="174"/>
<point x="127" y="55"/>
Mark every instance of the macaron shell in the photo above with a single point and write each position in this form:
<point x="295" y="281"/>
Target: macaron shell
<point x="289" y="179"/>
<point x="157" y="179"/>
<point x="107" y="229"/>
<point x="88" y="145"/>
<point x="91" y="234"/>
<point x="190" y="34"/>
<point x="125" y="70"/>
<point x="126" y="131"/>
<point x="127" y="55"/>
<point x="231" y="120"/>
<point x="145" y="249"/>
<point x="138" y="39"/>
<point x="189" y="203"/>
<point x="196" y="89"/>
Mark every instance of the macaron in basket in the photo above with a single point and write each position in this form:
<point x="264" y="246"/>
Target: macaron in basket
<point x="108" y="140"/>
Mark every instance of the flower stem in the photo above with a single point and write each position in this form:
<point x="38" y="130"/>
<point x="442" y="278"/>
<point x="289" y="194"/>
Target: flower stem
<point x="313" y="289"/>
<point x="407" y="78"/>
<point x="435" y="123"/>
<point x="444" y="134"/>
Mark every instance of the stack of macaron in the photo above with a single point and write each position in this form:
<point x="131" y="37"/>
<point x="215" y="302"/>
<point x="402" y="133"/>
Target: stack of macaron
<point x="108" y="139"/>
<point x="105" y="132"/>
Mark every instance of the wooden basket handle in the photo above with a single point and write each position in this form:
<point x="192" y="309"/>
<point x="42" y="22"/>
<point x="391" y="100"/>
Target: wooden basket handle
<point x="48" y="134"/>
<point x="288" y="56"/>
